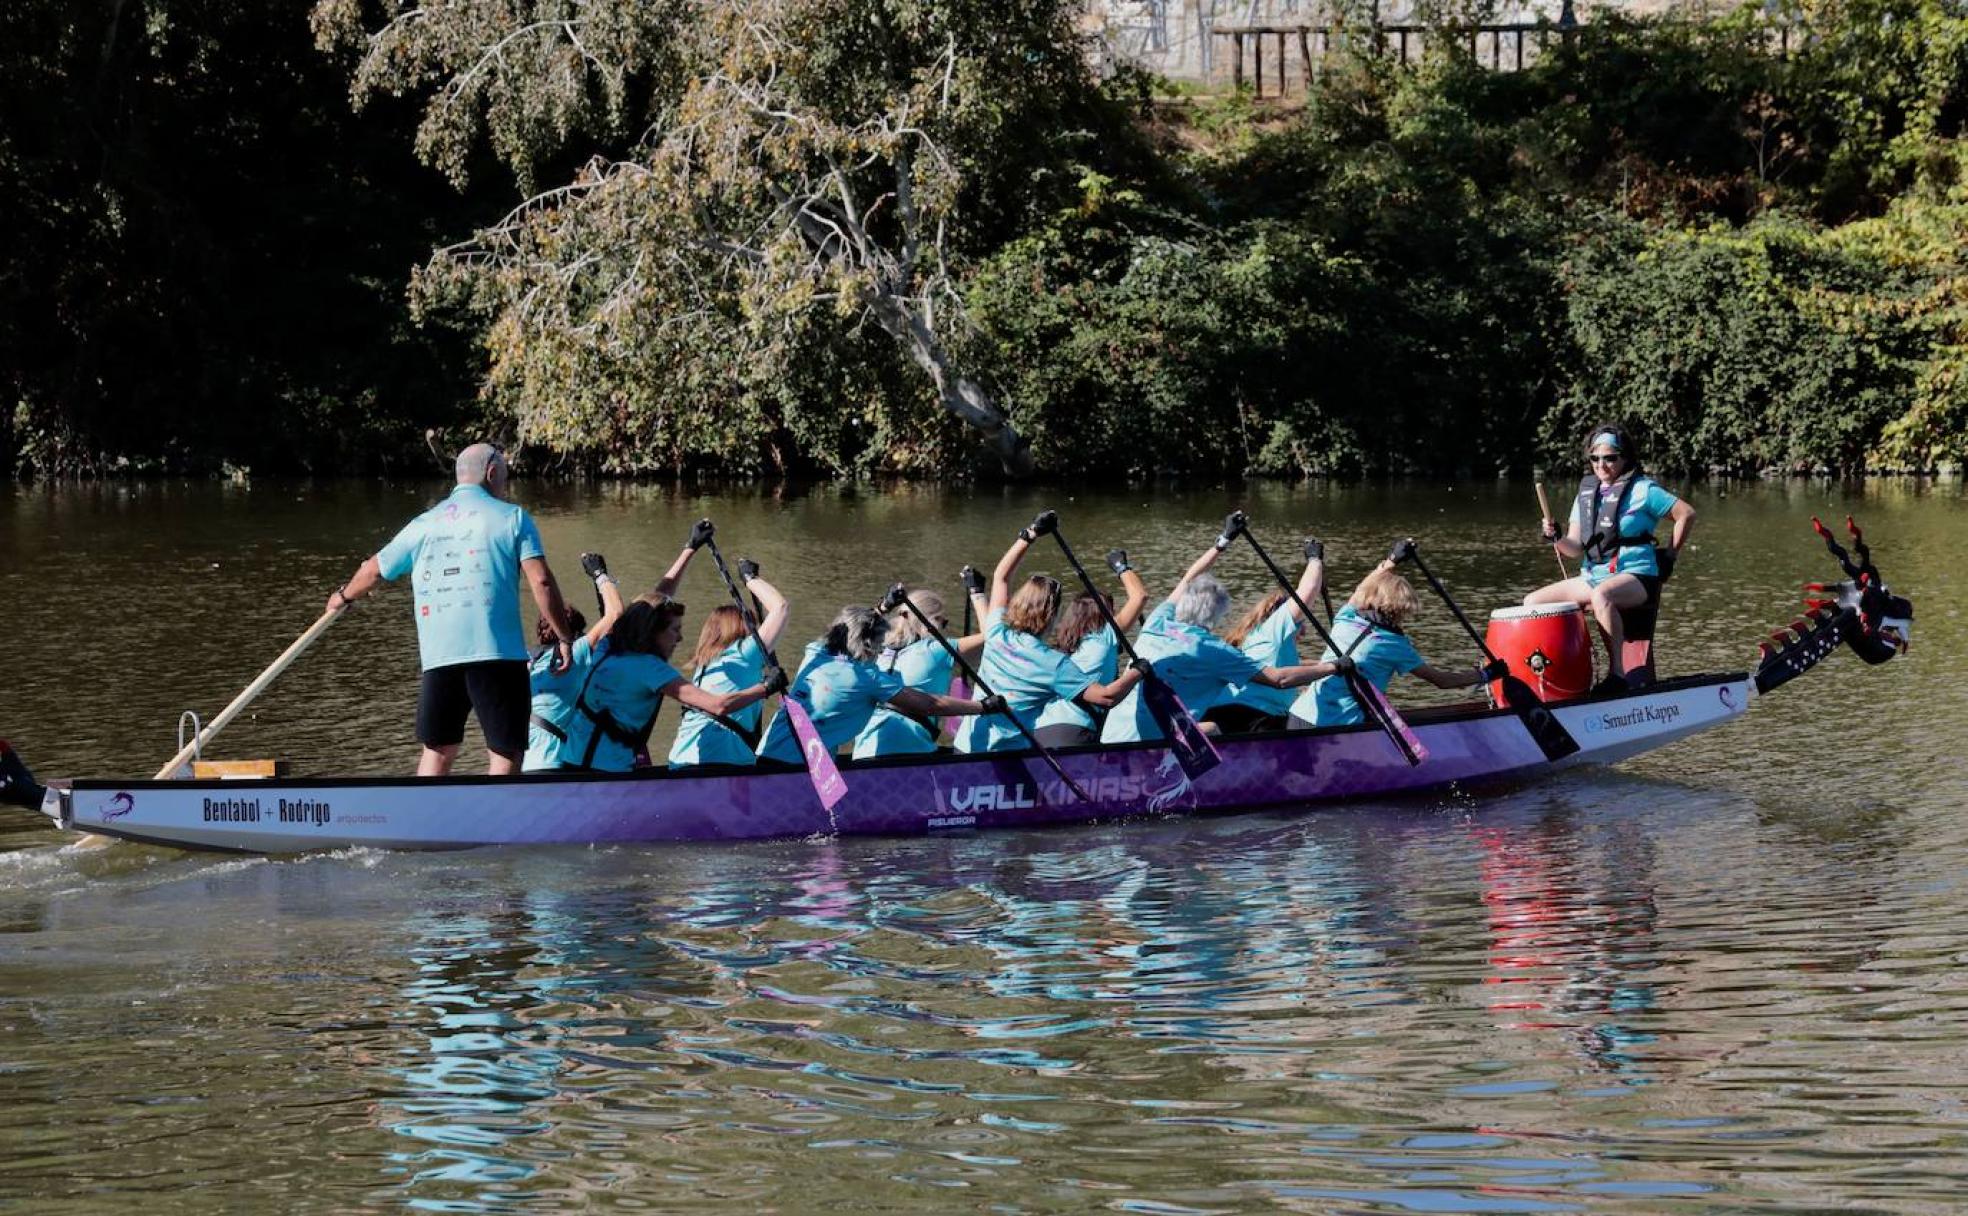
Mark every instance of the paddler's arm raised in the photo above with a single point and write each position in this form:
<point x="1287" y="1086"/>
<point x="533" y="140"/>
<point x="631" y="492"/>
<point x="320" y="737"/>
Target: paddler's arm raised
<point x="777" y="610"/>
<point x="1233" y="527"/>
<point x="1311" y="583"/>
<point x="1043" y="523"/>
<point x="1129" y="613"/>
<point x="612" y="606"/>
<point x="700" y="535"/>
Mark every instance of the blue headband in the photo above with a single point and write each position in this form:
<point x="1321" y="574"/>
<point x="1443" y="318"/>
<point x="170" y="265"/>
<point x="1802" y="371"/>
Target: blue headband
<point x="1609" y="439"/>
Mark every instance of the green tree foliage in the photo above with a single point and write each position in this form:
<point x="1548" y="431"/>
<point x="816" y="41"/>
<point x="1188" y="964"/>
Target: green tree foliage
<point x="204" y="250"/>
<point x="802" y="173"/>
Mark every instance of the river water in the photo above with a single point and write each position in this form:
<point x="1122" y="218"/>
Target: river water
<point x="1726" y="977"/>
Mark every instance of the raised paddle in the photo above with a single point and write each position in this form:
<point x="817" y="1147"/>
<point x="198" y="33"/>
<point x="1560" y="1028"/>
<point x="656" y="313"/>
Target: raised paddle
<point x="959" y="687"/>
<point x="898" y="597"/>
<point x="1385" y="716"/>
<point x="1544" y="505"/>
<point x="1191" y="747"/>
<point x="1543" y="726"/>
<point x="245" y="698"/>
<point x="814" y="752"/>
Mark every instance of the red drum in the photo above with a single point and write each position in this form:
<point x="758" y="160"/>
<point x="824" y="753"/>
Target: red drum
<point x="1547" y="646"/>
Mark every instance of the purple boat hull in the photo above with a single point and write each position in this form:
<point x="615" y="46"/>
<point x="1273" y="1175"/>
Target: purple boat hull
<point x="906" y="795"/>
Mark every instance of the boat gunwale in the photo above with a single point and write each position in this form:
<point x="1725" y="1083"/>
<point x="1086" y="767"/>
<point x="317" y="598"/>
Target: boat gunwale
<point x="1422" y="717"/>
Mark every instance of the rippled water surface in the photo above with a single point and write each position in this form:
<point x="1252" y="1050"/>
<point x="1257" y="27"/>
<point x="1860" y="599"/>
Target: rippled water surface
<point x="1726" y="977"/>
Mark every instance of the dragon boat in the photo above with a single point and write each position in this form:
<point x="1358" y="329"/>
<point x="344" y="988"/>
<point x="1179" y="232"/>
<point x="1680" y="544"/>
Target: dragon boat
<point x="1468" y="746"/>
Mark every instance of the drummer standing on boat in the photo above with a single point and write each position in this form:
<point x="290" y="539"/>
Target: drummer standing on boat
<point x="466" y="555"/>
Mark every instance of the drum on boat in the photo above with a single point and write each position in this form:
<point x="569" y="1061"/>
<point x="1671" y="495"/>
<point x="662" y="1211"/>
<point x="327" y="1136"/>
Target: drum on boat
<point x="1546" y="645"/>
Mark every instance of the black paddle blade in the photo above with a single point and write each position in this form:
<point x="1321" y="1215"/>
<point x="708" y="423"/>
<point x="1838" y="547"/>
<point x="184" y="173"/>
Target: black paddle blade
<point x="1193" y="749"/>
<point x="1545" y="729"/>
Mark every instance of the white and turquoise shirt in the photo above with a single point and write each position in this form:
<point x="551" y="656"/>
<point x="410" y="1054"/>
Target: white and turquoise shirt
<point x="463" y="556"/>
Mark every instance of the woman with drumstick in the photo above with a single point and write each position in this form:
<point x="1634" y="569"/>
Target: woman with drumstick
<point x="1612" y="531"/>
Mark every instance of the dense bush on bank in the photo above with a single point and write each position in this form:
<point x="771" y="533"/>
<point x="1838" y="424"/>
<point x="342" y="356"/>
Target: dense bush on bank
<point x="1754" y="257"/>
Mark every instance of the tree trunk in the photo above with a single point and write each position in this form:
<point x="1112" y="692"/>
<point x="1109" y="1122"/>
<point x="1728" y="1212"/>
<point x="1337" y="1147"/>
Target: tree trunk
<point x="957" y="393"/>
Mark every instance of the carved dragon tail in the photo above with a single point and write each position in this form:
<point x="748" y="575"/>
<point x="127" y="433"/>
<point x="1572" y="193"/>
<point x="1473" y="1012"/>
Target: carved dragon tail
<point x="1861" y="612"/>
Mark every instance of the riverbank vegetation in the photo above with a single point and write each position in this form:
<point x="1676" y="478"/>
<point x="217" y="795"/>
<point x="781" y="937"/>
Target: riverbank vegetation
<point x="875" y="237"/>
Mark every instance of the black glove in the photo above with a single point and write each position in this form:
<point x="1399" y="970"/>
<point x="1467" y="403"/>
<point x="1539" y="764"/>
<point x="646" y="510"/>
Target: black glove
<point x="1233" y="526"/>
<point x="774" y="679"/>
<point x="1665" y="559"/>
<point x="973" y="582"/>
<point x="995" y="704"/>
<point x="894" y="598"/>
<point x="747" y="569"/>
<point x="1403" y="550"/>
<point x="1344" y="665"/>
<point x="1043" y="524"/>
<point x="1117" y="561"/>
<point x="1495" y="669"/>
<point x="594" y="565"/>
<point x="1141" y="665"/>
<point x="700" y="534"/>
<point x="1548" y="531"/>
<point x="1315" y="549"/>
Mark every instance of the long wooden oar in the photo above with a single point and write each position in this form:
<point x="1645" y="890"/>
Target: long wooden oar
<point x="245" y="698"/>
<point x="814" y="752"/>
<point x="1543" y="726"/>
<point x="1544" y="505"/>
<point x="1192" y="749"/>
<point x="898" y="597"/>
<point x="1375" y="705"/>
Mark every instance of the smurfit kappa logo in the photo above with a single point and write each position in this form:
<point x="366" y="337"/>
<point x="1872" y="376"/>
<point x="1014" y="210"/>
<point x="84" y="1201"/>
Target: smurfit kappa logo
<point x="1726" y="695"/>
<point x="120" y="805"/>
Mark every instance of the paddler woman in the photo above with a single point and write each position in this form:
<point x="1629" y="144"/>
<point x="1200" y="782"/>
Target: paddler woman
<point x="841" y="684"/>
<point x="1200" y="667"/>
<point x="1018" y="664"/>
<point x="1613" y="530"/>
<point x="1083" y="635"/>
<point x="554" y="691"/>
<point x="619" y="698"/>
<point x="726" y="660"/>
<point x="1371" y="630"/>
<point x="925" y="666"/>
<point x="1270" y="633"/>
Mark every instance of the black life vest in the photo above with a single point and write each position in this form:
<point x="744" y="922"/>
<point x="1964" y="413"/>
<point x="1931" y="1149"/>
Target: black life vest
<point x="606" y="723"/>
<point x="1599" y="519"/>
<point x="748" y="735"/>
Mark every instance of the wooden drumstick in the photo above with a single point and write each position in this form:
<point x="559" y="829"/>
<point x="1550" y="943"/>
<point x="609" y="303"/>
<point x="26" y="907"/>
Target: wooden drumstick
<point x="1544" y="505"/>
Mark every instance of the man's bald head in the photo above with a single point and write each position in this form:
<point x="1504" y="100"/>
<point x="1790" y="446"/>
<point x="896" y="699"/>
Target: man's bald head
<point x="482" y="464"/>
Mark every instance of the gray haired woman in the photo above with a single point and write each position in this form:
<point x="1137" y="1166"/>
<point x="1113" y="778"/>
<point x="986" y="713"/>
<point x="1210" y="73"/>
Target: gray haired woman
<point x="1199" y="666"/>
<point x="841" y="684"/>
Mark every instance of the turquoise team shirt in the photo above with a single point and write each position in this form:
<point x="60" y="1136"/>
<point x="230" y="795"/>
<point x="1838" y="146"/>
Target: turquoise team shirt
<point x="838" y="693"/>
<point x="553" y="700"/>
<point x="702" y="739"/>
<point x="1645" y="508"/>
<point x="1100" y="657"/>
<point x="1028" y="674"/>
<point x="1197" y="664"/>
<point x="924" y="666"/>
<point x="630" y="688"/>
<point x="1329" y="701"/>
<point x="466" y="553"/>
<point x="1274" y="643"/>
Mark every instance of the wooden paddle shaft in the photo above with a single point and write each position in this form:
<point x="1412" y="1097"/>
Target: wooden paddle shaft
<point x="245" y="698"/>
<point x="1544" y="505"/>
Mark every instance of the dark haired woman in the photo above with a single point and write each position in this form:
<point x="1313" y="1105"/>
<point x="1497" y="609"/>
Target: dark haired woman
<point x="726" y="660"/>
<point x="624" y="689"/>
<point x="554" y="692"/>
<point x="1612" y="531"/>
<point x="1083" y="635"/>
<point x="841" y="684"/>
<point x="1018" y="664"/>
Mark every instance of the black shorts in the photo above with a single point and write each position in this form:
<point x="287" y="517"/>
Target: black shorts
<point x="498" y="690"/>
<point x="1638" y="623"/>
